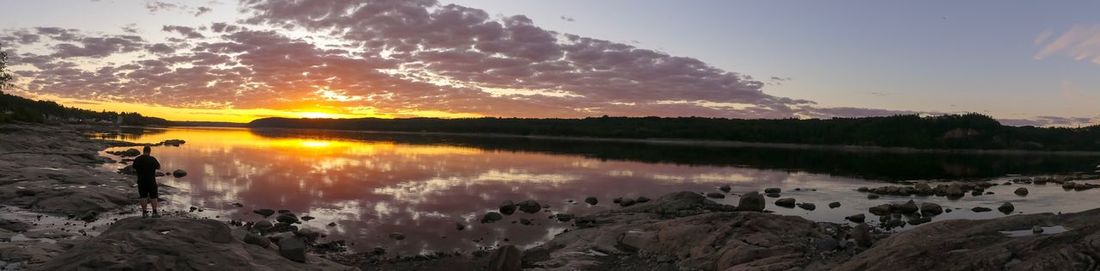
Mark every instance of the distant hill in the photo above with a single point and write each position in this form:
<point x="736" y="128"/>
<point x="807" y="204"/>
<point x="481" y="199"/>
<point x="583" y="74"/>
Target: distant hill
<point x="15" y="108"/>
<point x="969" y="131"/>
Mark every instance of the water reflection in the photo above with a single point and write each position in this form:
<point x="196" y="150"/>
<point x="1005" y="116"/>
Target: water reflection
<point x="421" y="186"/>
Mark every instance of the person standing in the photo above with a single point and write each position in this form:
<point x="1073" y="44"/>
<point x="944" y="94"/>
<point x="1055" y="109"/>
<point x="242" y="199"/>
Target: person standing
<point x="146" y="167"/>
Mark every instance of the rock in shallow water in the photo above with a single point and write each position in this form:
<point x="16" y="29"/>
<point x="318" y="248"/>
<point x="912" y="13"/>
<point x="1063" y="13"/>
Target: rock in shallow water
<point x="529" y="206"/>
<point x="929" y="208"/>
<point x="179" y="173"/>
<point x="857" y="218"/>
<point x="834" y="205"/>
<point x="264" y="212"/>
<point x="591" y="200"/>
<point x="507" y="207"/>
<point x="785" y="202"/>
<point x="752" y="202"/>
<point x="1006" y="208"/>
<point x="491" y="217"/>
<point x="1022" y="191"/>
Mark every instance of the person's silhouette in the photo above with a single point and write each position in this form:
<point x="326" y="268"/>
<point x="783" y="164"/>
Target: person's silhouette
<point x="146" y="167"/>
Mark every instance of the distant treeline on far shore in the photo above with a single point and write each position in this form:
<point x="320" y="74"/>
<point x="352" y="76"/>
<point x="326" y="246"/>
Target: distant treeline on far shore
<point x="967" y="131"/>
<point x="15" y="108"/>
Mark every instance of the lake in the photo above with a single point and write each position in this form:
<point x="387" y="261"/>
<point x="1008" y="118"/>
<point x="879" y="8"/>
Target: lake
<point x="420" y="185"/>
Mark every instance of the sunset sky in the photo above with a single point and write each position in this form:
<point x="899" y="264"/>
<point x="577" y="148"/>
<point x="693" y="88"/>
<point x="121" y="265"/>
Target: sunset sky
<point x="1026" y="63"/>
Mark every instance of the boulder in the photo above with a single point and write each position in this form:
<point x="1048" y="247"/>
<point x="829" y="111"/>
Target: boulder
<point x="529" y="206"/>
<point x="908" y="207"/>
<point x="255" y="239"/>
<point x="862" y="235"/>
<point x="179" y="173"/>
<point x="1022" y="191"/>
<point x="264" y="212"/>
<point x="288" y="218"/>
<point x="591" y="200"/>
<point x="1006" y="208"/>
<point x="293" y="249"/>
<point x="752" y="202"/>
<point x="716" y="195"/>
<point x="507" y="207"/>
<point x="857" y="218"/>
<point x="263" y="225"/>
<point x="785" y="202"/>
<point x="881" y="210"/>
<point x="491" y="217"/>
<point x="928" y="208"/>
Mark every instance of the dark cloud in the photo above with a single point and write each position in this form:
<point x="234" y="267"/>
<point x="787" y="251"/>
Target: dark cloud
<point x="199" y="11"/>
<point x="188" y="32"/>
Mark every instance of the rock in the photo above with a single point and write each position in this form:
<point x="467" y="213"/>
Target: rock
<point x="283" y="227"/>
<point x="642" y="199"/>
<point x="179" y="173"/>
<point x="772" y="195"/>
<point x="127" y="153"/>
<point x="617" y="200"/>
<point x="872" y="196"/>
<point x="1006" y="208"/>
<point x="307" y="218"/>
<point x="525" y="221"/>
<point x="908" y="207"/>
<point x="529" y="206"/>
<point x="716" y="195"/>
<point x="564" y="217"/>
<point x="288" y="218"/>
<point x="929" y="208"/>
<point x="955" y="191"/>
<point x="923" y="189"/>
<point x="725" y="188"/>
<point x="751" y="202"/>
<point x="264" y="212"/>
<point x="980" y="209"/>
<point x="862" y="235"/>
<point x="263" y="225"/>
<point x="774" y="190"/>
<point x="1022" y="191"/>
<point x="919" y="220"/>
<point x="826" y="244"/>
<point x="397" y="236"/>
<point x="332" y="224"/>
<point x="293" y="249"/>
<point x="626" y="202"/>
<point x="807" y="206"/>
<point x="460" y="226"/>
<point x="881" y="210"/>
<point x="284" y="211"/>
<point x="310" y="235"/>
<point x="172" y="142"/>
<point x="506" y="258"/>
<point x="507" y="207"/>
<point x="863" y="189"/>
<point x="89" y="216"/>
<point x="255" y="239"/>
<point x="785" y="202"/>
<point x="491" y="217"/>
<point x="1036" y="229"/>
<point x="834" y="205"/>
<point x="177" y="243"/>
<point x="591" y="200"/>
<point x="857" y="218"/>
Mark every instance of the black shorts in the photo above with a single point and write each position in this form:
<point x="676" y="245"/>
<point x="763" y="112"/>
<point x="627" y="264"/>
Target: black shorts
<point x="148" y="190"/>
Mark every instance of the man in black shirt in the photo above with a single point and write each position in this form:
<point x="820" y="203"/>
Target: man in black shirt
<point x="146" y="167"/>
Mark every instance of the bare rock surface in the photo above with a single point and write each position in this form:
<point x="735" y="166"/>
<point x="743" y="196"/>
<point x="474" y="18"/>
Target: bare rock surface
<point x="174" y="243"/>
<point x="1007" y="243"/>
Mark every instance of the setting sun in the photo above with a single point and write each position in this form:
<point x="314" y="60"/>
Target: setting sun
<point x="316" y="115"/>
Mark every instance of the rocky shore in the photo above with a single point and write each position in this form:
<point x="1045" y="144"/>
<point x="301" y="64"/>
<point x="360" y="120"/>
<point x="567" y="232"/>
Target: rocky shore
<point x="62" y="210"/>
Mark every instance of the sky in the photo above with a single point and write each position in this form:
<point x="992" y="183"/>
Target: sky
<point x="1025" y="63"/>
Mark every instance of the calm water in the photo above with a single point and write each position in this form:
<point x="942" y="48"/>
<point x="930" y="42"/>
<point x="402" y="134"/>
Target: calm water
<point x="372" y="185"/>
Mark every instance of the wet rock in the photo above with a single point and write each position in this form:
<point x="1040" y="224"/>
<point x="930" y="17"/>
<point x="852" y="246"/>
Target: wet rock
<point x="772" y="195"/>
<point x="310" y="235"/>
<point x="89" y="216"/>
<point x="507" y="207"/>
<point x="834" y="205"/>
<point x="307" y="218"/>
<point x="1022" y="191"/>
<point x="491" y="217"/>
<point x="980" y="209"/>
<point x="642" y="199"/>
<point x="255" y="239"/>
<point x="955" y="191"/>
<point x="1006" y="208"/>
<point x="626" y="202"/>
<point x="283" y="211"/>
<point x="288" y="218"/>
<point x="807" y="206"/>
<point x="617" y="200"/>
<point x="179" y="173"/>
<point x="172" y="142"/>
<point x="591" y="200"/>
<point x="397" y="236"/>
<point x="126" y="153"/>
<point x="771" y="190"/>
<point x="752" y="202"/>
<point x="506" y="258"/>
<point x="863" y="189"/>
<point x="725" y="188"/>
<point x="908" y="207"/>
<point x="293" y="249"/>
<point x="529" y="206"/>
<point x="785" y="202"/>
<point x="929" y="208"/>
<point x="263" y="225"/>
<point x="264" y="212"/>
<point x="716" y="195"/>
<point x="857" y="218"/>
<point x="881" y="210"/>
<point x="862" y="235"/>
<point x="923" y="189"/>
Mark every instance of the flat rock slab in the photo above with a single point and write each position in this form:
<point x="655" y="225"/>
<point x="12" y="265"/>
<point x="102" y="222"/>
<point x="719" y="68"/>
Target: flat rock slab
<point x="171" y="243"/>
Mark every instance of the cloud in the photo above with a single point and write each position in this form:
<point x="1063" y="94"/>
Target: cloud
<point x="199" y="11"/>
<point x="1046" y="121"/>
<point x="1080" y="42"/>
<point x="183" y="30"/>
<point x="568" y="19"/>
